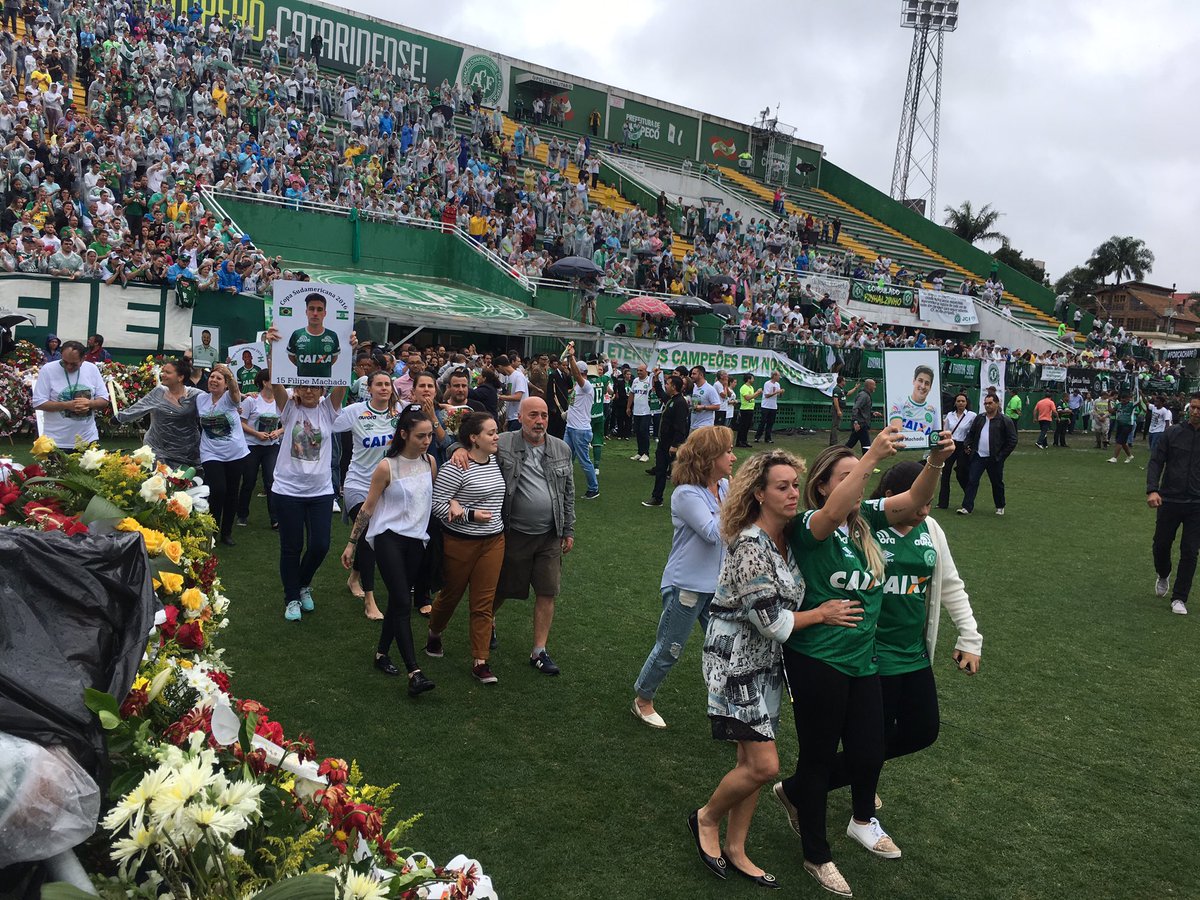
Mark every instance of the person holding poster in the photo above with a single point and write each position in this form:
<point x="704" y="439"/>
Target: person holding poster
<point x="312" y="354"/>
<point x="915" y="410"/>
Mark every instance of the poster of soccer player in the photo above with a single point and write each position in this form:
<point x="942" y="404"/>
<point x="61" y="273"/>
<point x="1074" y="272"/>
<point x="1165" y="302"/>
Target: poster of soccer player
<point x="246" y="361"/>
<point x="913" y="388"/>
<point x="314" y="323"/>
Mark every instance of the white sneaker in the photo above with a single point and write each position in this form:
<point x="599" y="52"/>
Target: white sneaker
<point x="635" y="457"/>
<point x="292" y="613"/>
<point x="644" y="458"/>
<point x="1179" y="607"/>
<point x="1112" y="459"/>
<point x="963" y="511"/>
<point x="874" y="838"/>
<point x="1129" y="459"/>
<point x="336" y="507"/>
<point x="1000" y="511"/>
<point x="1162" y="586"/>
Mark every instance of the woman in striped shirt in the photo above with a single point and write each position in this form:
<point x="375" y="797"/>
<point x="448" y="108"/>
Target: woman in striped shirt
<point x="469" y="503"/>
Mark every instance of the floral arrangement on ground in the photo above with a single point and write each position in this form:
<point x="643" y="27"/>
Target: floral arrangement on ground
<point x="210" y="796"/>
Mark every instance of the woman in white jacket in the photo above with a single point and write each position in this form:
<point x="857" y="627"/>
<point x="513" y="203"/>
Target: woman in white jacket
<point x="920" y="580"/>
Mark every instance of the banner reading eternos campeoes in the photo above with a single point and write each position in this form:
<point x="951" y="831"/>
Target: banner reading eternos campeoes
<point x="883" y="295"/>
<point x="735" y="361"/>
<point x="350" y="40"/>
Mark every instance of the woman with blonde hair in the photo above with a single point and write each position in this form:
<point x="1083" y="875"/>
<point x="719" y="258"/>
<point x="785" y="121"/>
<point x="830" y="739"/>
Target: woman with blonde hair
<point x="701" y="473"/>
<point x="222" y="447"/>
<point x="836" y="697"/>
<point x="756" y="608"/>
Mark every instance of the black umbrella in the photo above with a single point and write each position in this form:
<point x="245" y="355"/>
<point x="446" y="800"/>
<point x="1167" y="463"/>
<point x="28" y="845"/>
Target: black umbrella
<point x="447" y="110"/>
<point x="573" y="267"/>
<point x="724" y="310"/>
<point x="691" y="305"/>
<point x="803" y="168"/>
<point x="935" y="273"/>
<point x="10" y="319"/>
<point x="722" y="279"/>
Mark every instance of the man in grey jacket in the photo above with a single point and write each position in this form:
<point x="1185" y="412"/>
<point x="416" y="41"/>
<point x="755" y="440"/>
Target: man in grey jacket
<point x="860" y="417"/>
<point x="539" y="520"/>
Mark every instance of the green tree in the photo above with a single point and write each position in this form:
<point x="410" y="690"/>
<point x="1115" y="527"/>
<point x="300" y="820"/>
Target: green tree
<point x="1125" y="258"/>
<point x="1078" y="282"/>
<point x="973" y="226"/>
<point x="1012" y="257"/>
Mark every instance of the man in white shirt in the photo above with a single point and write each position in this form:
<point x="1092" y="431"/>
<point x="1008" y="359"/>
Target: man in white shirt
<point x="67" y="393"/>
<point x="639" y="409"/>
<point x="705" y="399"/>
<point x="770" y="408"/>
<point x="516" y="386"/>
<point x="579" y="421"/>
<point x="1160" y="420"/>
<point x="958" y="423"/>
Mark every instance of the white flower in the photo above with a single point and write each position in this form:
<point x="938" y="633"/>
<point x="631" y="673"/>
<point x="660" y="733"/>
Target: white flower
<point x="91" y="459"/>
<point x="241" y="797"/>
<point x="184" y="499"/>
<point x="154" y="489"/>
<point x="136" y="845"/>
<point x="199" y="495"/>
<point x="143" y="456"/>
<point x="221" y="824"/>
<point x="133" y="805"/>
<point x="158" y="683"/>
<point x="359" y="887"/>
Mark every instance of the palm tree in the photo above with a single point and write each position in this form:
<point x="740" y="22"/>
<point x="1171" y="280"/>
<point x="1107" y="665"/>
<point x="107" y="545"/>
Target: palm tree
<point x="972" y="226"/>
<point x="1122" y="257"/>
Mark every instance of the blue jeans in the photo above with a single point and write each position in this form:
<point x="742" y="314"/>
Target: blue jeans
<point x="580" y="442"/>
<point x="297" y="516"/>
<point x="681" y="610"/>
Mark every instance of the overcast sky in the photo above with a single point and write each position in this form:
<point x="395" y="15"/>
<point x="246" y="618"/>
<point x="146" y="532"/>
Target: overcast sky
<point x="1075" y="118"/>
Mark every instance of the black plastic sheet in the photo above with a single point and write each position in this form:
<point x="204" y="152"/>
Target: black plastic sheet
<point x="75" y="612"/>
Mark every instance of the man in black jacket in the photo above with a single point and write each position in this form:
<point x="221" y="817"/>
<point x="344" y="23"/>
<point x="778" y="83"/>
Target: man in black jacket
<point x="673" y="430"/>
<point x="1173" y="488"/>
<point x="990" y="441"/>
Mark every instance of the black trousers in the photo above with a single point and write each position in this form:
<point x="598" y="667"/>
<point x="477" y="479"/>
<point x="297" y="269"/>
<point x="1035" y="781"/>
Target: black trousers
<point x="829" y="708"/>
<point x="1060" y="431"/>
<point x="662" y="465"/>
<point x="766" y="424"/>
<point x="959" y="463"/>
<point x="223" y="480"/>
<point x="399" y="560"/>
<point x="859" y="437"/>
<point x="641" y="428"/>
<point x="745" y="422"/>
<point x="1170" y="516"/>
<point x="911" y="720"/>
<point x="556" y="425"/>
<point x="261" y="457"/>
<point x="995" y="473"/>
<point x="364" y="557"/>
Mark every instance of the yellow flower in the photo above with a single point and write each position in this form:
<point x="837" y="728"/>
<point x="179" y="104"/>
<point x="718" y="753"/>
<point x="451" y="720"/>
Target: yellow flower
<point x="172" y="582"/>
<point x="44" y="446"/>
<point x="173" y="551"/>
<point x="192" y="599"/>
<point x="140" y="683"/>
<point x="154" y="540"/>
<point x="185" y="663"/>
<point x="129" y="524"/>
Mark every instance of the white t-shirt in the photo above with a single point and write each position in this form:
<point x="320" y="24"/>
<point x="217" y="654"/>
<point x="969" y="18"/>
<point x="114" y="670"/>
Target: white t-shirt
<point x="640" y="389"/>
<point x="372" y="432"/>
<point x="579" y="413"/>
<point x="516" y="383"/>
<point x="261" y="414"/>
<point x="305" y="457"/>
<point x="704" y="395"/>
<point x="770" y="395"/>
<point x="54" y="383"/>
<point x="221" y="435"/>
<point x="1160" y="418"/>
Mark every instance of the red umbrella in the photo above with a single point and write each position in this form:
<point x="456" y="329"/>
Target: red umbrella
<point x="649" y="306"/>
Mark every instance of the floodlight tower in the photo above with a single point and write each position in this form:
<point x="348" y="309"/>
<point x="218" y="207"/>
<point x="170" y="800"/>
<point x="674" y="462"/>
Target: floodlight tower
<point x="914" y="176"/>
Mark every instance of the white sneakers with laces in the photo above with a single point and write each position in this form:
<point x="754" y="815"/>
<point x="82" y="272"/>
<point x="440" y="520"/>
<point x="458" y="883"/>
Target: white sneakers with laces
<point x="874" y="838"/>
<point x="1112" y="459"/>
<point x="1179" y="607"/>
<point x="1000" y="511"/>
<point x="1161" y="586"/>
<point x="1128" y="459"/>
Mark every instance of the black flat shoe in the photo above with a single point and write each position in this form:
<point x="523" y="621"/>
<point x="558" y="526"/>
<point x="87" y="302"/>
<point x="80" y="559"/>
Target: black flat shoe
<point x="765" y="880"/>
<point x="385" y="665"/>
<point x="419" y="684"/>
<point x="228" y="542"/>
<point x="714" y="864"/>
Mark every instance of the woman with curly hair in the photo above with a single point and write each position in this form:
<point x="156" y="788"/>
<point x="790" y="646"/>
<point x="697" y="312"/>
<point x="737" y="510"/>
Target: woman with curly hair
<point x="701" y="473"/>
<point x="833" y="671"/>
<point x="755" y="609"/>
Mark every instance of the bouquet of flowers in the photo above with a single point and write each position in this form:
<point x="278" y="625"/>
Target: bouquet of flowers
<point x="16" y="397"/>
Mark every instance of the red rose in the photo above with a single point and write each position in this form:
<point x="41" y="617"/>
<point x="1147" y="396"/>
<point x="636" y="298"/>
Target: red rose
<point x="189" y="636"/>
<point x="169" y="627"/>
<point x="246" y="707"/>
<point x="221" y="680"/>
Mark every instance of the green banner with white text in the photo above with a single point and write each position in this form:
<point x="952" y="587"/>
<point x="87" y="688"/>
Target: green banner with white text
<point x="884" y="295"/>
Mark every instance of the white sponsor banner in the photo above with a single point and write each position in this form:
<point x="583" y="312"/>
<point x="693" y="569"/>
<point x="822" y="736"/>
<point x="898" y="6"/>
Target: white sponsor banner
<point x="837" y="288"/>
<point x="667" y="355"/>
<point x="991" y="375"/>
<point x="1054" y="373"/>
<point x="941" y="307"/>
<point x="137" y="317"/>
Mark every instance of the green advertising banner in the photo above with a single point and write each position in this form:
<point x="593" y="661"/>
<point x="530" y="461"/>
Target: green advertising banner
<point x="883" y="295"/>
<point x="653" y="128"/>
<point x="580" y="100"/>
<point x="961" y="371"/>
<point x="350" y="41"/>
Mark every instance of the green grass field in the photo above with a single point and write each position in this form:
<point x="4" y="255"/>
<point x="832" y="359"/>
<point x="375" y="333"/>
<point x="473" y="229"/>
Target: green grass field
<point x="1064" y="769"/>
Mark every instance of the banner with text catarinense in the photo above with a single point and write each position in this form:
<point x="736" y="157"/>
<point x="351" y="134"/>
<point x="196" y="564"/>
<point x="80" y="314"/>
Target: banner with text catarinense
<point x="667" y="355"/>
